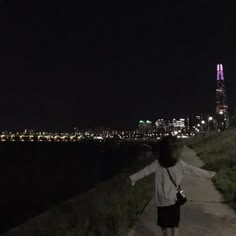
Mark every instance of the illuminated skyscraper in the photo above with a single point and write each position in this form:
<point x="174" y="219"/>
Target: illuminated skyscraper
<point x="222" y="115"/>
<point x="145" y="126"/>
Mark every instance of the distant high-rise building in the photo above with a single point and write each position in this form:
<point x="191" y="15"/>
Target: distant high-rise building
<point x="222" y="115"/>
<point x="145" y="126"/>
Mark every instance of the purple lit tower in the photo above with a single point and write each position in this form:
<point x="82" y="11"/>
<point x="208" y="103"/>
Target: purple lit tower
<point x="221" y="100"/>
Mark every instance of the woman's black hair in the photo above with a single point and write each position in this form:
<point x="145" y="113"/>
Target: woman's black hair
<point x="168" y="151"/>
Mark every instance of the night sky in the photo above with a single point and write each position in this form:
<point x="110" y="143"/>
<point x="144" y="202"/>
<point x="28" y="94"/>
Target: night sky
<point x="65" y="65"/>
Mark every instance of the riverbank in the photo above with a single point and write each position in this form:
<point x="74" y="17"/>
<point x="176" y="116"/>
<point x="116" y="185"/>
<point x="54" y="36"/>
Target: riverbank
<point x="109" y="208"/>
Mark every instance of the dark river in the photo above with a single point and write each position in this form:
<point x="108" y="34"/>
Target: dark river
<point x="36" y="176"/>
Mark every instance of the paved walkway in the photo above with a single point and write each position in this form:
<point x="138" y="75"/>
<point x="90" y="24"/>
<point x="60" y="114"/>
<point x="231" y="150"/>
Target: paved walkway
<point x="203" y="215"/>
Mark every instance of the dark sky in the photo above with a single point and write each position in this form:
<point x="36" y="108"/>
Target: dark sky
<point x="64" y="65"/>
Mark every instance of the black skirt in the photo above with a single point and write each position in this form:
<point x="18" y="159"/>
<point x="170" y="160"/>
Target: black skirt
<point x="168" y="216"/>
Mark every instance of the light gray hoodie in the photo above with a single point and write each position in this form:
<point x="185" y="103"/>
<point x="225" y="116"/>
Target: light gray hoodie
<point x="165" y="191"/>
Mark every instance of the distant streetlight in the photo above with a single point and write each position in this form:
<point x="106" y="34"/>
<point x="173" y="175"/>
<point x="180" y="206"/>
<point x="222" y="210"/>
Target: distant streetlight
<point x="210" y="118"/>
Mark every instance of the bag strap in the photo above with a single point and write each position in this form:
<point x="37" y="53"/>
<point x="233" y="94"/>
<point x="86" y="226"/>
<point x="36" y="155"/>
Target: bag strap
<point x="171" y="178"/>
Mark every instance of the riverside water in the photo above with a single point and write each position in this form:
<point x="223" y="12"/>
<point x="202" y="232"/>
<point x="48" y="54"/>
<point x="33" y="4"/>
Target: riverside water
<point x="36" y="176"/>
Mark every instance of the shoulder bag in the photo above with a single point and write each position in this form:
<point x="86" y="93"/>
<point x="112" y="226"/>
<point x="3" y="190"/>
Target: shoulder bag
<point x="180" y="196"/>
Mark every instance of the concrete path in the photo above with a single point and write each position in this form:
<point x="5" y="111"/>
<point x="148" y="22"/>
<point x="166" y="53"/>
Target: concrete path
<point x="203" y="215"/>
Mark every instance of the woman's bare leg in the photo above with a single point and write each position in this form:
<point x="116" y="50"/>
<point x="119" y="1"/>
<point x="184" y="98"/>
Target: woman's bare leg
<point x="164" y="231"/>
<point x="175" y="231"/>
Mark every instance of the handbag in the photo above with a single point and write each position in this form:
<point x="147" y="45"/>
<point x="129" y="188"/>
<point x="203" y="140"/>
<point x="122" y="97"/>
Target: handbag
<point x="181" y="199"/>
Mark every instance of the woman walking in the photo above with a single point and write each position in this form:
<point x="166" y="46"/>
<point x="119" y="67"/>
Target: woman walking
<point x="168" y="209"/>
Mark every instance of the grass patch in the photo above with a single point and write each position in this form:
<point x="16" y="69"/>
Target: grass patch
<point x="218" y="152"/>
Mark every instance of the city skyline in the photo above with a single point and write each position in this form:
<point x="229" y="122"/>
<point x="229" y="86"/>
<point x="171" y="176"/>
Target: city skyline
<point x="65" y="66"/>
